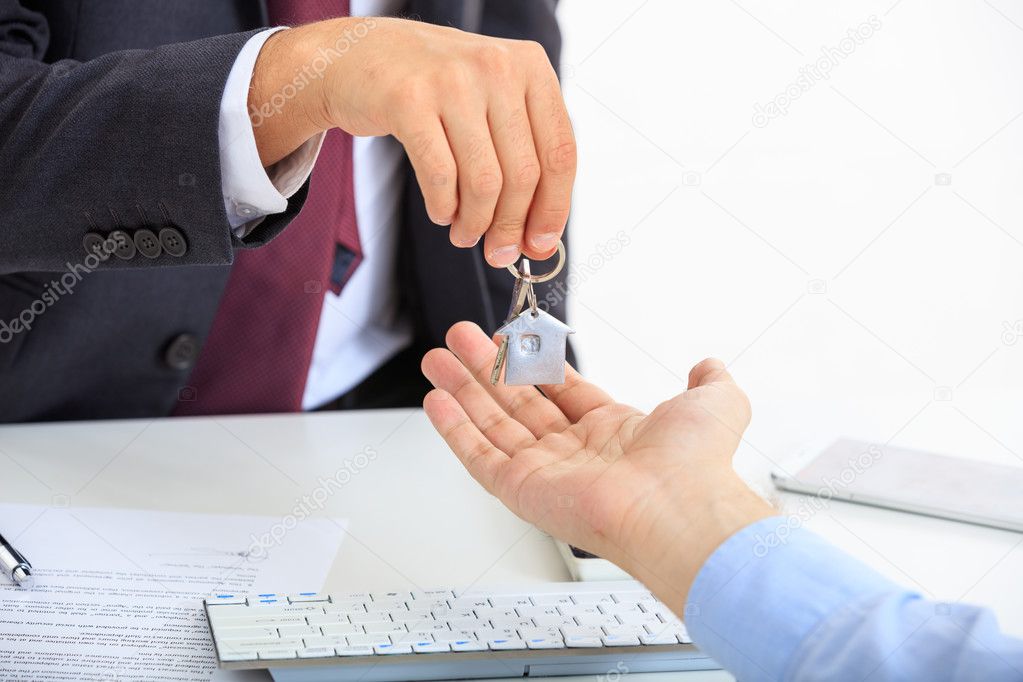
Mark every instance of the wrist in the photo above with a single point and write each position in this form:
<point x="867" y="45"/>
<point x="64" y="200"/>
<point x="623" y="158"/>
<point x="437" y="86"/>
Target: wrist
<point x="685" y="525"/>
<point x="286" y="94"/>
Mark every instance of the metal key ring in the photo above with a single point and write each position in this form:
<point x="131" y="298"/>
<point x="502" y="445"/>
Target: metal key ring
<point x="537" y="279"/>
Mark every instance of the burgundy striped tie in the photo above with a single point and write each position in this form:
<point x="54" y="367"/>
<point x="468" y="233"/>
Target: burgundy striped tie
<point x="257" y="355"/>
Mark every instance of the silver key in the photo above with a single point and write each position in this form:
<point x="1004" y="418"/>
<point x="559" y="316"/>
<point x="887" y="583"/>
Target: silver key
<point x="534" y="345"/>
<point x="520" y="292"/>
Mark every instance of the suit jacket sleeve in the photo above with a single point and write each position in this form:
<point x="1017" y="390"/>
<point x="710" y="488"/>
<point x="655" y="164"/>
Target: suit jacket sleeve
<point x="127" y="140"/>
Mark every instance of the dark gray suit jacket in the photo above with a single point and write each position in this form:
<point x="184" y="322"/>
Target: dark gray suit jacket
<point x="108" y="121"/>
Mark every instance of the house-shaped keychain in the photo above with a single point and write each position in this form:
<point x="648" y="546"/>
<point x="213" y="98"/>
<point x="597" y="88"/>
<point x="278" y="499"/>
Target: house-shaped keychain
<point x="536" y="349"/>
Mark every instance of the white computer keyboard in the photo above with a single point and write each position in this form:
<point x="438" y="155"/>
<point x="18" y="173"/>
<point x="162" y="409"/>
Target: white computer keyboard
<point x="532" y="630"/>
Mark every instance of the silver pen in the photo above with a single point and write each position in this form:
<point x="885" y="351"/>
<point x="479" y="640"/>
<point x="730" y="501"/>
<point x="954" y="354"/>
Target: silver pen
<point x="15" y="566"/>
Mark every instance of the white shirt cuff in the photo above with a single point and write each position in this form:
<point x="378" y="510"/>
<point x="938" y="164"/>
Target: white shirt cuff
<point x="250" y="191"/>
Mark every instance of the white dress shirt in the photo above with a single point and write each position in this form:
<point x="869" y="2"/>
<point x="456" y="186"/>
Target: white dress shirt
<point x="361" y="328"/>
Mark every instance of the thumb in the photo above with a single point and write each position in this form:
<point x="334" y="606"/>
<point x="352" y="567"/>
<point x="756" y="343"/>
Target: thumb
<point x="709" y="371"/>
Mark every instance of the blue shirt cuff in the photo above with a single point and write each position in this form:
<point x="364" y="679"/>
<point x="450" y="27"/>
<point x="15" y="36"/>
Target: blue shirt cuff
<point x="762" y="593"/>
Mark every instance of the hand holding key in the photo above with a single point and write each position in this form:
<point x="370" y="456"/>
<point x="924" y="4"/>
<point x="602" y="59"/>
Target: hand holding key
<point x="654" y="493"/>
<point x="482" y="120"/>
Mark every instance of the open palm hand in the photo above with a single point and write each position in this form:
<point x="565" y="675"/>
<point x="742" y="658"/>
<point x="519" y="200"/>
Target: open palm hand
<point x="596" y="473"/>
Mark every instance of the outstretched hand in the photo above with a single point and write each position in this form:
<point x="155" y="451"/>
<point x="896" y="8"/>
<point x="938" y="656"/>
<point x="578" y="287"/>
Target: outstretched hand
<point x="631" y="487"/>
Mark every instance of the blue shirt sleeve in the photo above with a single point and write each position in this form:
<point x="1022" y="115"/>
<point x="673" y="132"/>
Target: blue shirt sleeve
<point x="777" y="603"/>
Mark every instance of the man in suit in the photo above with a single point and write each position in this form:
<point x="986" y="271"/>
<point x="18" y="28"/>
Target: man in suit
<point x="153" y="154"/>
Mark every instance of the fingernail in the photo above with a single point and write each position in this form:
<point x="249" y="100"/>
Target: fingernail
<point x="545" y="241"/>
<point x="468" y="243"/>
<point x="506" y="255"/>
<point x="440" y="221"/>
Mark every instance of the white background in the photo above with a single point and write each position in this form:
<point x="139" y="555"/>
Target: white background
<point x="732" y="227"/>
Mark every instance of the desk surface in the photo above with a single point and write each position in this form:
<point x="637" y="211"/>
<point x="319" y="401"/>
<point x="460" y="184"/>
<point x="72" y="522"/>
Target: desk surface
<point x="416" y="519"/>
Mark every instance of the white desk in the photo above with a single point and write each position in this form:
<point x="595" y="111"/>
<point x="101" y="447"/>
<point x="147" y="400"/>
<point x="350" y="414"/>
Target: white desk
<point x="416" y="519"/>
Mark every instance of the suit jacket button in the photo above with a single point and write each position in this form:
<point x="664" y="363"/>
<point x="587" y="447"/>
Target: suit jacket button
<point x="93" y="242"/>
<point x="173" y="242"/>
<point x="147" y="243"/>
<point x="182" y="352"/>
<point x="124" y="247"/>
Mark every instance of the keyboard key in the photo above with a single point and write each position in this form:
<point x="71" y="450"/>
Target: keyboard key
<point x="551" y="599"/>
<point x="327" y="618"/>
<point x="385" y="605"/>
<point x="466" y="623"/>
<point x="469" y="603"/>
<point x="390" y="596"/>
<point x="598" y="620"/>
<point x="662" y="638"/>
<point x="436" y="594"/>
<point x="276" y="654"/>
<point x="545" y="643"/>
<point x="677" y="631"/>
<point x="491" y="613"/>
<point x="615" y="609"/>
<point x="354" y="650"/>
<point x="248" y="633"/>
<point x="468" y="644"/>
<point x="411" y="616"/>
<point x="317" y="642"/>
<point x="502" y="633"/>
<point x="578" y="610"/>
<point x="384" y="649"/>
<point x="590" y="598"/>
<point x="539" y="633"/>
<point x="298" y="630"/>
<point x="243" y="655"/>
<point x="553" y="621"/>
<point x="414" y="636"/>
<point x="433" y="604"/>
<point x="583" y="642"/>
<point x="246" y="644"/>
<point x="453" y="635"/>
<point x="316" y="652"/>
<point x="224" y="598"/>
<point x="620" y="640"/>
<point x="639" y="619"/>
<point x="430" y="647"/>
<point x="350" y="596"/>
<point x="483" y="634"/>
<point x="265" y="621"/>
<point x="581" y="631"/>
<point x="340" y="629"/>
<point x="307" y="597"/>
<point x="404" y="637"/>
<point x="345" y="606"/>
<point x="367" y="640"/>
<point x="447" y="614"/>
<point x="510" y="601"/>
<point x="539" y="611"/>
<point x="367" y="617"/>
<point x="506" y="644"/>
<point x="636" y="630"/>
<point x="384" y="626"/>
<point x="513" y="622"/>
<point x="229" y="611"/>
<point x="633" y="597"/>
